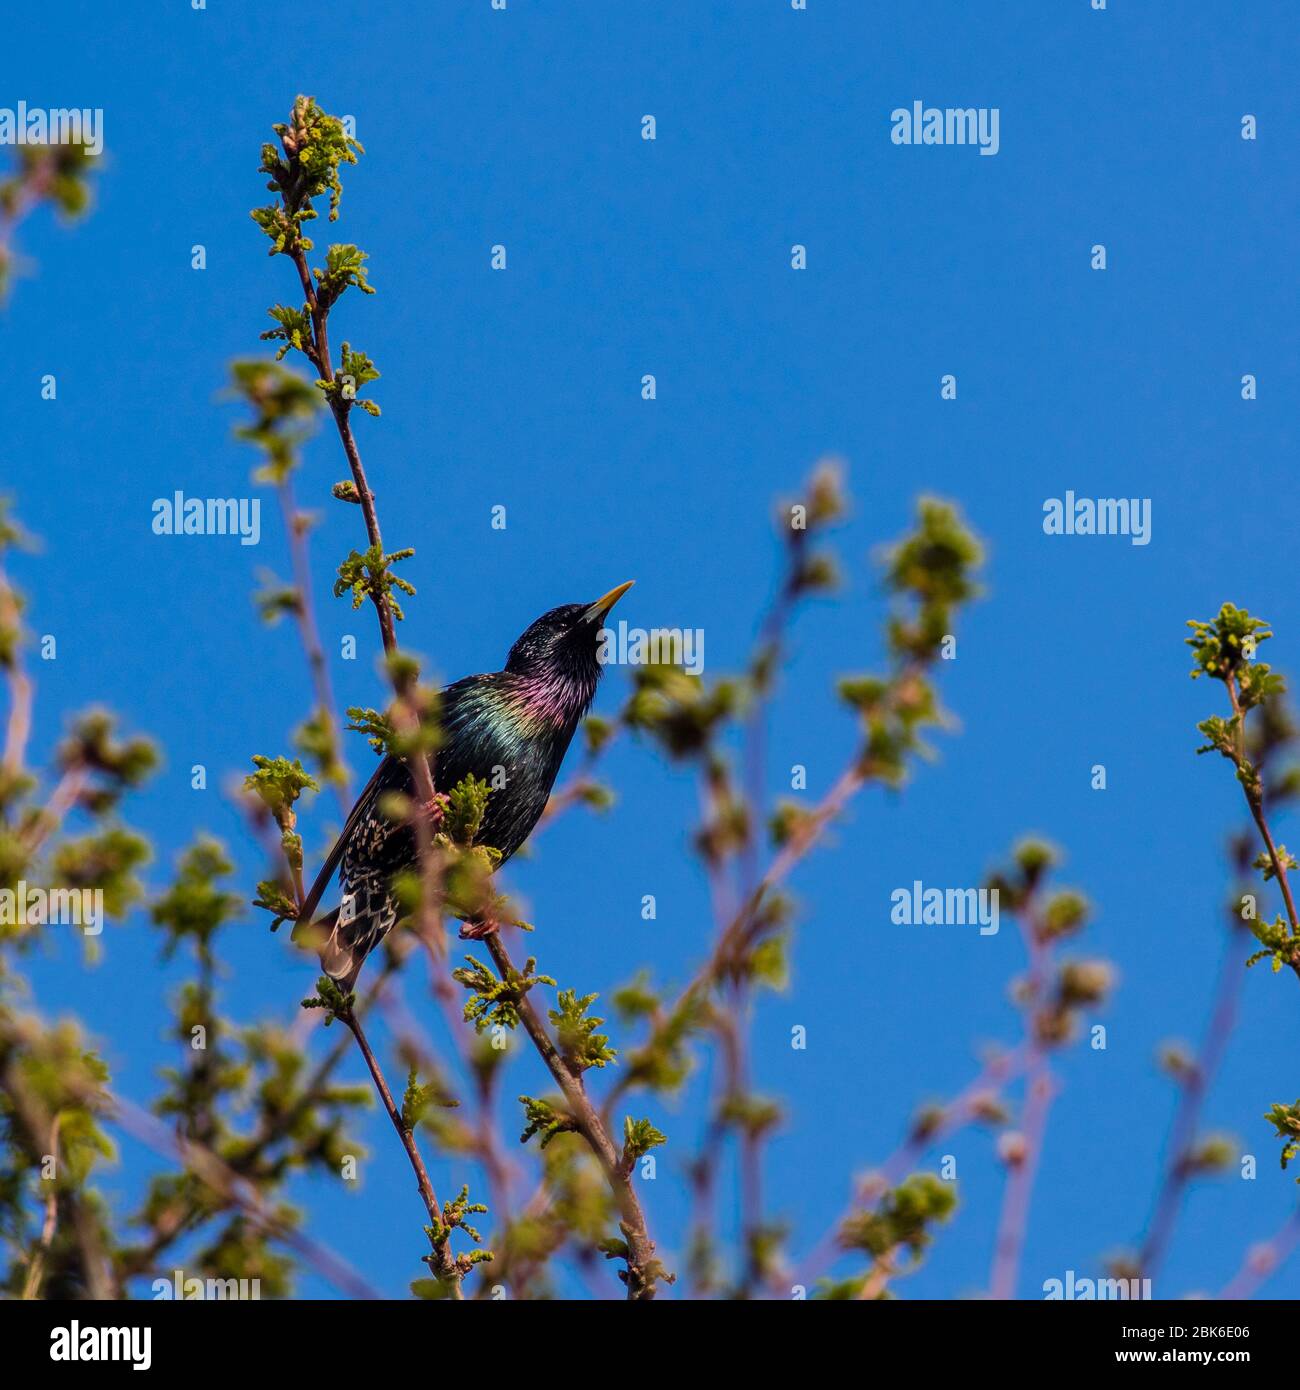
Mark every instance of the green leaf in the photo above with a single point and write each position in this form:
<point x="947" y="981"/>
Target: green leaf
<point x="639" y="1137"/>
<point x="580" y="1045"/>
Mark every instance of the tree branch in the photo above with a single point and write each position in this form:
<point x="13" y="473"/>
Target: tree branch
<point x="643" y="1269"/>
<point x="36" y="1270"/>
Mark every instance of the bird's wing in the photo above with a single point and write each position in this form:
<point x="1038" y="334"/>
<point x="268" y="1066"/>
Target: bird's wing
<point x="470" y="731"/>
<point x="387" y="769"/>
<point x="459" y="707"/>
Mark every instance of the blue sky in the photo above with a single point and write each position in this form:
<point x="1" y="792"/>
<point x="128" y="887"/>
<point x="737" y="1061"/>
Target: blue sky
<point x="523" y="389"/>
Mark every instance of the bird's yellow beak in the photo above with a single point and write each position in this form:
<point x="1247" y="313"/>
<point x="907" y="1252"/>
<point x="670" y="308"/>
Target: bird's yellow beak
<point x="606" y="601"/>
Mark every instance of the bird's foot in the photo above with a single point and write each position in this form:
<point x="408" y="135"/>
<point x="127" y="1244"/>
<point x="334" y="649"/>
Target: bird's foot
<point x="477" y="930"/>
<point x="435" y="809"/>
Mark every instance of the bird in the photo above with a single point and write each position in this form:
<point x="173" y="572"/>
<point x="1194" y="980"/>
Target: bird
<point x="519" y="720"/>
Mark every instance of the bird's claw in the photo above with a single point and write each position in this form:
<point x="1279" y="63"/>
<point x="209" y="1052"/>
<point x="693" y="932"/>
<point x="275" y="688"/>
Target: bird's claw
<point x="476" y="931"/>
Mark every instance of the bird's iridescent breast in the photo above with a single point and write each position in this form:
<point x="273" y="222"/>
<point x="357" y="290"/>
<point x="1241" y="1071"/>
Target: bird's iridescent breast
<point x="513" y="733"/>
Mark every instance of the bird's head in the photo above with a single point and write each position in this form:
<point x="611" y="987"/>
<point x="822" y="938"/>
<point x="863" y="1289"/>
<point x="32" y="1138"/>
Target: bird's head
<point x="562" y="645"/>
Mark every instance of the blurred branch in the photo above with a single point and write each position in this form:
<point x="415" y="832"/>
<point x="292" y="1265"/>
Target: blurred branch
<point x="36" y="1271"/>
<point x="1194" y="1080"/>
<point x="54" y="174"/>
<point x="1022" y="1161"/>
<point x="444" y="1264"/>
<point x="231" y="1188"/>
<point x="19" y="726"/>
<point x="1263" y="1260"/>
<point x="980" y="1101"/>
<point x="643" y="1269"/>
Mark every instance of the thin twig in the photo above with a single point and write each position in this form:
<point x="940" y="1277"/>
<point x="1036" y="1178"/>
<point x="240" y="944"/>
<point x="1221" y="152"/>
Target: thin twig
<point x="224" y="1181"/>
<point x="341" y="410"/>
<point x="295" y="524"/>
<point x="19" y="726"/>
<point x="444" y="1263"/>
<point x="1252" y="788"/>
<point x="63" y="798"/>
<point x="36" y="183"/>
<point x="962" y="1110"/>
<point x="1263" y="1260"/>
<point x="1191" y="1100"/>
<point x="1039" y="1089"/>
<point x="487" y="1144"/>
<point x="733" y="937"/>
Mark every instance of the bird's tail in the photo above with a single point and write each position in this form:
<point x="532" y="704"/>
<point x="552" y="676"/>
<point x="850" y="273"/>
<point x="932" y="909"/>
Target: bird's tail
<point x="347" y="935"/>
<point x="338" y="960"/>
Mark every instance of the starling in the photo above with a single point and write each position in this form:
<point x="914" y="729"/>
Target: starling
<point x="521" y="720"/>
